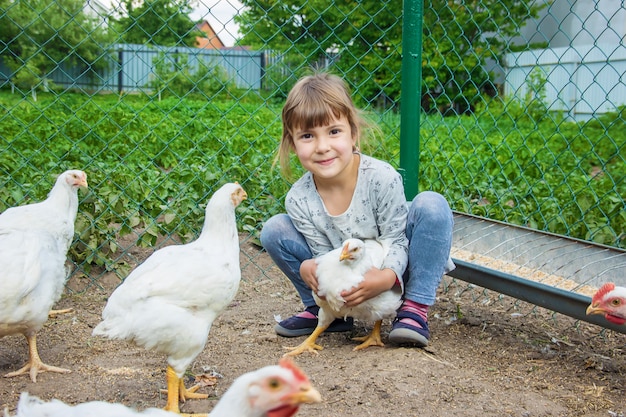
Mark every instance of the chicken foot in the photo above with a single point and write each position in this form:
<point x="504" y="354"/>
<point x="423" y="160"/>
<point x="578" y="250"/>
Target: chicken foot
<point x="54" y="313"/>
<point x="308" y="345"/>
<point x="34" y="364"/>
<point x="373" y="339"/>
<point x="176" y="391"/>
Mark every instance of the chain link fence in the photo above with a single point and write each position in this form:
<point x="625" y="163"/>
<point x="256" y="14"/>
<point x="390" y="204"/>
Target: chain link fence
<point x="522" y="116"/>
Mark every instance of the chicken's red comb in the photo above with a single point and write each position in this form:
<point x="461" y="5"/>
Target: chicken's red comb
<point x="287" y="363"/>
<point x="606" y="288"/>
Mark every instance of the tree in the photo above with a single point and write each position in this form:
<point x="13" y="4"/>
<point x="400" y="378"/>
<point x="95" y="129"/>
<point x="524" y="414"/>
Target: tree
<point x="157" y="22"/>
<point x="459" y="37"/>
<point x="363" y="40"/>
<point x="358" y="37"/>
<point x="38" y="36"/>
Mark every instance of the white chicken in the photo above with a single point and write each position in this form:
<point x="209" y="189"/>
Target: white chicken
<point x="30" y="406"/>
<point x="610" y="301"/>
<point x="169" y="302"/>
<point x="34" y="240"/>
<point x="55" y="215"/>
<point x="272" y="391"/>
<point x="340" y="270"/>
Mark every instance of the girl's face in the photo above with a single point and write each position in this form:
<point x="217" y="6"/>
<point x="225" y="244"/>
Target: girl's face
<point x="326" y="151"/>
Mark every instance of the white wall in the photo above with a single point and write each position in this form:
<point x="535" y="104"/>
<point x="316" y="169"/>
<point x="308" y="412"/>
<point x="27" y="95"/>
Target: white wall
<point x="582" y="81"/>
<point x="577" y="23"/>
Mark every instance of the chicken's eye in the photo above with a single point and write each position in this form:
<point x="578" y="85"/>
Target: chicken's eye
<point x="274" y="383"/>
<point x="615" y="302"/>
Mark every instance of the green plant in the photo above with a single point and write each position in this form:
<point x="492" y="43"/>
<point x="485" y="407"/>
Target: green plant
<point x="535" y="98"/>
<point x="175" y="77"/>
<point x="38" y="36"/>
<point x="152" y="165"/>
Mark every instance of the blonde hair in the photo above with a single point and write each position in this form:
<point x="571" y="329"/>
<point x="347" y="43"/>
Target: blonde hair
<point x="316" y="100"/>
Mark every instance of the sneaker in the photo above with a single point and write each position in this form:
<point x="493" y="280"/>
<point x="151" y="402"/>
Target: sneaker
<point x="404" y="333"/>
<point x="304" y="323"/>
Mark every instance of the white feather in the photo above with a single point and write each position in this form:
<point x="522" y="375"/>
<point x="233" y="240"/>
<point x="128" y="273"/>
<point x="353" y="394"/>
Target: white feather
<point x="256" y="393"/>
<point x="253" y="394"/>
<point x="335" y="276"/>
<point x="30" y="406"/>
<point x="169" y="302"/>
<point x="34" y="240"/>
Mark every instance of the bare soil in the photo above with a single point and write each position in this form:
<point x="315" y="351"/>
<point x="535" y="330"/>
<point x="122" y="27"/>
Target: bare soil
<point x="489" y="355"/>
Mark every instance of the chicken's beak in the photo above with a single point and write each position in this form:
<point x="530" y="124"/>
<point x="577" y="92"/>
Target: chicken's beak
<point x="345" y="254"/>
<point x="83" y="183"/>
<point x="308" y="395"/>
<point x="238" y="196"/>
<point x="594" y="309"/>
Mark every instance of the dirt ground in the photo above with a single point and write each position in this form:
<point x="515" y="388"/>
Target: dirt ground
<point x="489" y="356"/>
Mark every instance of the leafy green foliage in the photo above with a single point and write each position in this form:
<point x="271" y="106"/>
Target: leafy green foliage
<point x="173" y="76"/>
<point x="547" y="174"/>
<point x="363" y="42"/>
<point x="156" y="22"/>
<point x="38" y="35"/>
<point x="147" y="172"/>
<point x="361" y="39"/>
<point x="152" y="165"/>
<point x="459" y="38"/>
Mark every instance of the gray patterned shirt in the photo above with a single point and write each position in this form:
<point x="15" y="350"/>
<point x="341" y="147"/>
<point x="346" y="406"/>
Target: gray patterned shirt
<point x="378" y="210"/>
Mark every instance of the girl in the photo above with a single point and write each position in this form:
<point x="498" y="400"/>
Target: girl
<point x="347" y="194"/>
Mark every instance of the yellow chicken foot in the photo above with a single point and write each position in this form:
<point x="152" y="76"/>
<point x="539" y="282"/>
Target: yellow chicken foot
<point x="308" y="345"/>
<point x="176" y="391"/>
<point x="373" y="339"/>
<point x="34" y="364"/>
<point x="190" y="393"/>
<point x="54" y="313"/>
<point x="173" y="383"/>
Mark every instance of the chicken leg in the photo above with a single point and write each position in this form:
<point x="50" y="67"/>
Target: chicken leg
<point x="309" y="344"/>
<point x="34" y="364"/>
<point x="373" y="339"/>
<point x="54" y="313"/>
<point x="176" y="391"/>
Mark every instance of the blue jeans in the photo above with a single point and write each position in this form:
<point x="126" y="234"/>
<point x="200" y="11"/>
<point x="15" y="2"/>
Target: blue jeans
<point x="429" y="230"/>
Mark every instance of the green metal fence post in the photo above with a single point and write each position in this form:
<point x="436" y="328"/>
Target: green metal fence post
<point x="410" y="95"/>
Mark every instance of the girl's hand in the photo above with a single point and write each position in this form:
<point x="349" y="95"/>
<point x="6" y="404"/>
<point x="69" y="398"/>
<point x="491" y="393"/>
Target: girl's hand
<point x="307" y="272"/>
<point x="375" y="282"/>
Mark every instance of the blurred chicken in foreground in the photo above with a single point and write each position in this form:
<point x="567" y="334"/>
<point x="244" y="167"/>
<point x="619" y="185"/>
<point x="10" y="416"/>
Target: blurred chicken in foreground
<point x="272" y="391"/>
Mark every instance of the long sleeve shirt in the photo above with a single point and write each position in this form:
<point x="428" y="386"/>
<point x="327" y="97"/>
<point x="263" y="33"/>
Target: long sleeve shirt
<point x="378" y="210"/>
